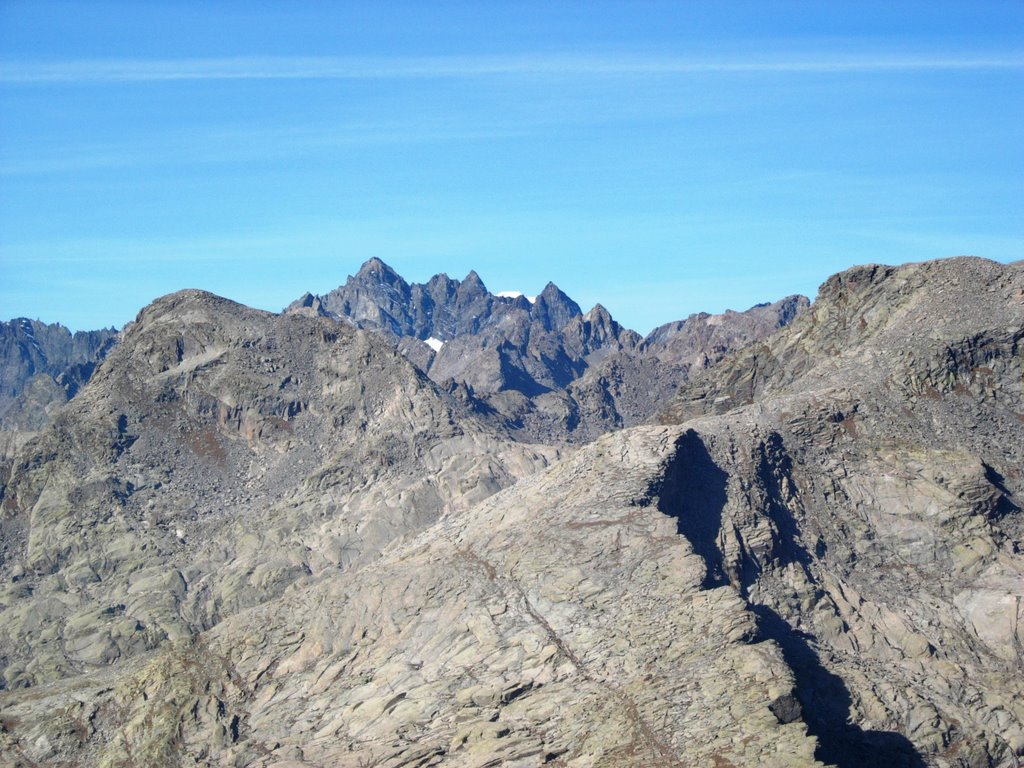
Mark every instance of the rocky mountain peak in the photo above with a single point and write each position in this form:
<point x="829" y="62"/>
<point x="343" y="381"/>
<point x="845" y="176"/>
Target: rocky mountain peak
<point x="599" y="315"/>
<point x="182" y="305"/>
<point x="472" y="282"/>
<point x="441" y="288"/>
<point x="308" y="304"/>
<point x="787" y="309"/>
<point x="599" y="328"/>
<point x="376" y="269"/>
<point x="935" y="321"/>
<point x="470" y="291"/>
<point x="554" y="309"/>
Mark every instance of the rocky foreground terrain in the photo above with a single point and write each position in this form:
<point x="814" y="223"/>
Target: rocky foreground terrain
<point x="285" y="540"/>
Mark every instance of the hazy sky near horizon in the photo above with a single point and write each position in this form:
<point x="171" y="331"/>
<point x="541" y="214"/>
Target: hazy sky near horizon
<point x="662" y="158"/>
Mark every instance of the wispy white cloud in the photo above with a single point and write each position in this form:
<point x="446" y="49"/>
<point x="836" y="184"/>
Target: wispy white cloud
<point x="350" y="68"/>
<point x="241" y="145"/>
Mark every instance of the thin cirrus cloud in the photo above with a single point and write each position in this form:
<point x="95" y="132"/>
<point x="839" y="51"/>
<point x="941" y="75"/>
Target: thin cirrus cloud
<point x="348" y="68"/>
<point x="244" y="145"/>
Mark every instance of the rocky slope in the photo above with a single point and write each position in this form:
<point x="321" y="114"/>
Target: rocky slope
<point x="815" y="559"/>
<point x="503" y="636"/>
<point x="218" y="456"/>
<point x="864" y="472"/>
<point x="539" y="366"/>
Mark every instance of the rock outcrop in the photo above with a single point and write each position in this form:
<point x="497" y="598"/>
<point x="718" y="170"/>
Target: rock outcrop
<point x="505" y="635"/>
<point x="867" y="465"/>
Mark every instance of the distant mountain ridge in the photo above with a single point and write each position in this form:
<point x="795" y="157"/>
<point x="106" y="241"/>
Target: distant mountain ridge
<point x="537" y="366"/>
<point x="29" y="347"/>
<point x="543" y="366"/>
<point x="42" y="366"/>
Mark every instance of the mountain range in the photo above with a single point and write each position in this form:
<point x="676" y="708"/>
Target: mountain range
<point x="541" y="366"/>
<point x="409" y="525"/>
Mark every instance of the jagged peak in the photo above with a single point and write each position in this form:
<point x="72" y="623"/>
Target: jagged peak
<point x="598" y="315"/>
<point x="374" y="264"/>
<point x="440" y="277"/>
<point x="551" y="290"/>
<point x="375" y="269"/>
<point x="307" y="302"/>
<point x="553" y="308"/>
<point x="552" y="294"/>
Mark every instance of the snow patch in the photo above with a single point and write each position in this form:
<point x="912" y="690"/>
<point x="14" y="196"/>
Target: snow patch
<point x="26" y="328"/>
<point x="434" y="344"/>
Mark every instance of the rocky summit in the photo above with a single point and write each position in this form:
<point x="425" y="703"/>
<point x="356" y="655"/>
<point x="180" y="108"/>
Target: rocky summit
<point x="313" y="539"/>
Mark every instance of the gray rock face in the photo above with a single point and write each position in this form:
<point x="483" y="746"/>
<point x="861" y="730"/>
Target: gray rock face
<point x="543" y="368"/>
<point x="218" y="456"/>
<point x="861" y="485"/>
<point x="502" y="635"/>
<point x="271" y="541"/>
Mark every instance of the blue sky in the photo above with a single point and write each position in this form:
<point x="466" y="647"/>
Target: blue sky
<point x="659" y="157"/>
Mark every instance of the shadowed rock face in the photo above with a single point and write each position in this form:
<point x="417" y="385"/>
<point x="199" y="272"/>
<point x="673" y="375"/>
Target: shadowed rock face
<point x="542" y="368"/>
<point x="829" y="573"/>
<point x="869" y="464"/>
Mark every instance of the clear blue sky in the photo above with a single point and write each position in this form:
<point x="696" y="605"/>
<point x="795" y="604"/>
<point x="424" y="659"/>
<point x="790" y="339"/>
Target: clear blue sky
<point x="659" y="157"/>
